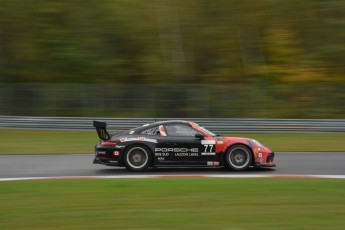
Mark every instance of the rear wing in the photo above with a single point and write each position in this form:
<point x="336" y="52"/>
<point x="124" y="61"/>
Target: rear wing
<point x="101" y="128"/>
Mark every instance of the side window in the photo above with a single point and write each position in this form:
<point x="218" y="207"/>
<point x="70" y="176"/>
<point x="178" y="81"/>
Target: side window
<point x="180" y="131"/>
<point x="152" y="131"/>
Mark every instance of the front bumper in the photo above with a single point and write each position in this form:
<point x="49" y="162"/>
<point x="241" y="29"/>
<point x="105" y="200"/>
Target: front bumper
<point x="264" y="165"/>
<point x="268" y="161"/>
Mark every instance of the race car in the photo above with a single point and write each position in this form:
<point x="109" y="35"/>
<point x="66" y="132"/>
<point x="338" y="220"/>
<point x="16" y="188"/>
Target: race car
<point x="177" y="143"/>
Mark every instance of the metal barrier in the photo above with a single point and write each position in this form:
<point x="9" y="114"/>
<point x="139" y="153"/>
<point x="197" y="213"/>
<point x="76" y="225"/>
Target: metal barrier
<point x="222" y="125"/>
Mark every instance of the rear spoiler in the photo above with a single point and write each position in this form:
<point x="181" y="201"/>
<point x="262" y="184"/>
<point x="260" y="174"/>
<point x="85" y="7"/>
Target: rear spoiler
<point x="101" y="128"/>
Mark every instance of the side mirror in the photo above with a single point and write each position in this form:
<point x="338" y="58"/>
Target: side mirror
<point x="199" y="136"/>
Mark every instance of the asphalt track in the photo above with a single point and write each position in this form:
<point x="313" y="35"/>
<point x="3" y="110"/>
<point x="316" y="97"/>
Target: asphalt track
<point x="80" y="165"/>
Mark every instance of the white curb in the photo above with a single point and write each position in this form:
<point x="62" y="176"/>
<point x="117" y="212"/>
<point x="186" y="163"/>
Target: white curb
<point x="177" y="176"/>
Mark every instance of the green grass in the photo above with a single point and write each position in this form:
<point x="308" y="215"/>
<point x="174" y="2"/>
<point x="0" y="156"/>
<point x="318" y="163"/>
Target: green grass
<point x="173" y="204"/>
<point x="61" y="142"/>
<point x="15" y="141"/>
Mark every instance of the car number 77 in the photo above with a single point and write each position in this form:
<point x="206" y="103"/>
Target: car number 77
<point x="208" y="147"/>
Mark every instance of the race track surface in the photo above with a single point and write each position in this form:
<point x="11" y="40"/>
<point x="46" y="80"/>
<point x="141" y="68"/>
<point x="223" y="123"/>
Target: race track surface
<point x="296" y="163"/>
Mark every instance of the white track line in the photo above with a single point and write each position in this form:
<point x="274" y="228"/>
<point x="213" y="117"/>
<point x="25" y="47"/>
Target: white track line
<point x="176" y="176"/>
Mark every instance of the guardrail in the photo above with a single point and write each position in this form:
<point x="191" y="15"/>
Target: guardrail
<point x="214" y="124"/>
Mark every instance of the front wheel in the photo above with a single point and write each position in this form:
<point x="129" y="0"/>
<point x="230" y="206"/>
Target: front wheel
<point x="137" y="158"/>
<point x="238" y="157"/>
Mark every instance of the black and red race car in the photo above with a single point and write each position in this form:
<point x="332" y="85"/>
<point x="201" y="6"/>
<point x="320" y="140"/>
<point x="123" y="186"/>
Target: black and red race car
<point x="177" y="143"/>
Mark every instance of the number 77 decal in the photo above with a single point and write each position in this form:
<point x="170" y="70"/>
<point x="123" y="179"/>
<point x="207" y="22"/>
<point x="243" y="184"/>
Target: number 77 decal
<point x="209" y="147"/>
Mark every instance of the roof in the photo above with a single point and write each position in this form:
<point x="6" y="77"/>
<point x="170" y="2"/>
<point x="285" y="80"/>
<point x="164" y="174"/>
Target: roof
<point x="161" y="123"/>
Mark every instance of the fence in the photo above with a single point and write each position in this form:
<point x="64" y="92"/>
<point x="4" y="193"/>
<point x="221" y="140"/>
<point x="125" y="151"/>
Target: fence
<point x="259" y="100"/>
<point x="216" y="124"/>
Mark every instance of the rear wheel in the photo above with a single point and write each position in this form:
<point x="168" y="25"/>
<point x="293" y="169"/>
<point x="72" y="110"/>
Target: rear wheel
<point x="238" y="157"/>
<point x="137" y="158"/>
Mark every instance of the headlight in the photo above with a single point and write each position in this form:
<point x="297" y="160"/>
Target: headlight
<point x="257" y="143"/>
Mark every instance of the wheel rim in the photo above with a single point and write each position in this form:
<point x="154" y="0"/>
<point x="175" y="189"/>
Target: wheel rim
<point x="137" y="157"/>
<point x="239" y="158"/>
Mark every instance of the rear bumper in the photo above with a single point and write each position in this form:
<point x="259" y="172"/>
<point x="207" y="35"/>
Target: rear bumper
<point x="96" y="161"/>
<point x="106" y="161"/>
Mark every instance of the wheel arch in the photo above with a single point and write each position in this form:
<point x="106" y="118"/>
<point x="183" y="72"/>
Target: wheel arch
<point x="137" y="144"/>
<point x="239" y="143"/>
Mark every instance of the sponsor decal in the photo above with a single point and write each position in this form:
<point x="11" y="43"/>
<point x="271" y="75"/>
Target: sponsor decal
<point x="101" y="152"/>
<point x="112" y="161"/>
<point x="186" y="154"/>
<point x="116" y="153"/>
<point x="250" y="143"/>
<point x="213" y="163"/>
<point x="161" y="158"/>
<point x="195" y="150"/>
<point x="260" y="157"/>
<point x="126" y="139"/>
<point x="208" y="142"/>
<point x="162" y="154"/>
<point x="208" y="154"/>
<point x="220" y="142"/>
<point x="177" y="152"/>
<point x="119" y="146"/>
<point x="131" y="132"/>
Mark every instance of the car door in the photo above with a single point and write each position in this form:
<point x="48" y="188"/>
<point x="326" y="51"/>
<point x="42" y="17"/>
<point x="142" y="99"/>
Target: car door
<point x="180" y="146"/>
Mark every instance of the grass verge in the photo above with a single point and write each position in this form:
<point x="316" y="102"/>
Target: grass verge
<point x="65" y="142"/>
<point x="173" y="204"/>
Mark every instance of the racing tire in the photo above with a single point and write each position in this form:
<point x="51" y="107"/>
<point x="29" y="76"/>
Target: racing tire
<point x="137" y="158"/>
<point x="238" y="157"/>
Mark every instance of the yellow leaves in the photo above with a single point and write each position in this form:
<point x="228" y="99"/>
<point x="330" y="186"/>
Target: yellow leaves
<point x="286" y="73"/>
<point x="282" y="45"/>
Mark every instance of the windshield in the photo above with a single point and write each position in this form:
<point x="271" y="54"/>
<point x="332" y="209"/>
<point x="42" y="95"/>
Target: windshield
<point x="206" y="131"/>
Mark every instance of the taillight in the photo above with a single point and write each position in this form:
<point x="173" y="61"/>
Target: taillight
<point x="107" y="143"/>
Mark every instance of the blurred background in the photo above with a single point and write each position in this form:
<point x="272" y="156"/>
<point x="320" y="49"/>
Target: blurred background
<point x="191" y="58"/>
<point x="147" y="59"/>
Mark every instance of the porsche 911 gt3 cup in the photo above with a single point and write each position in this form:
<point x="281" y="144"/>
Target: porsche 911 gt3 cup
<point x="177" y="143"/>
